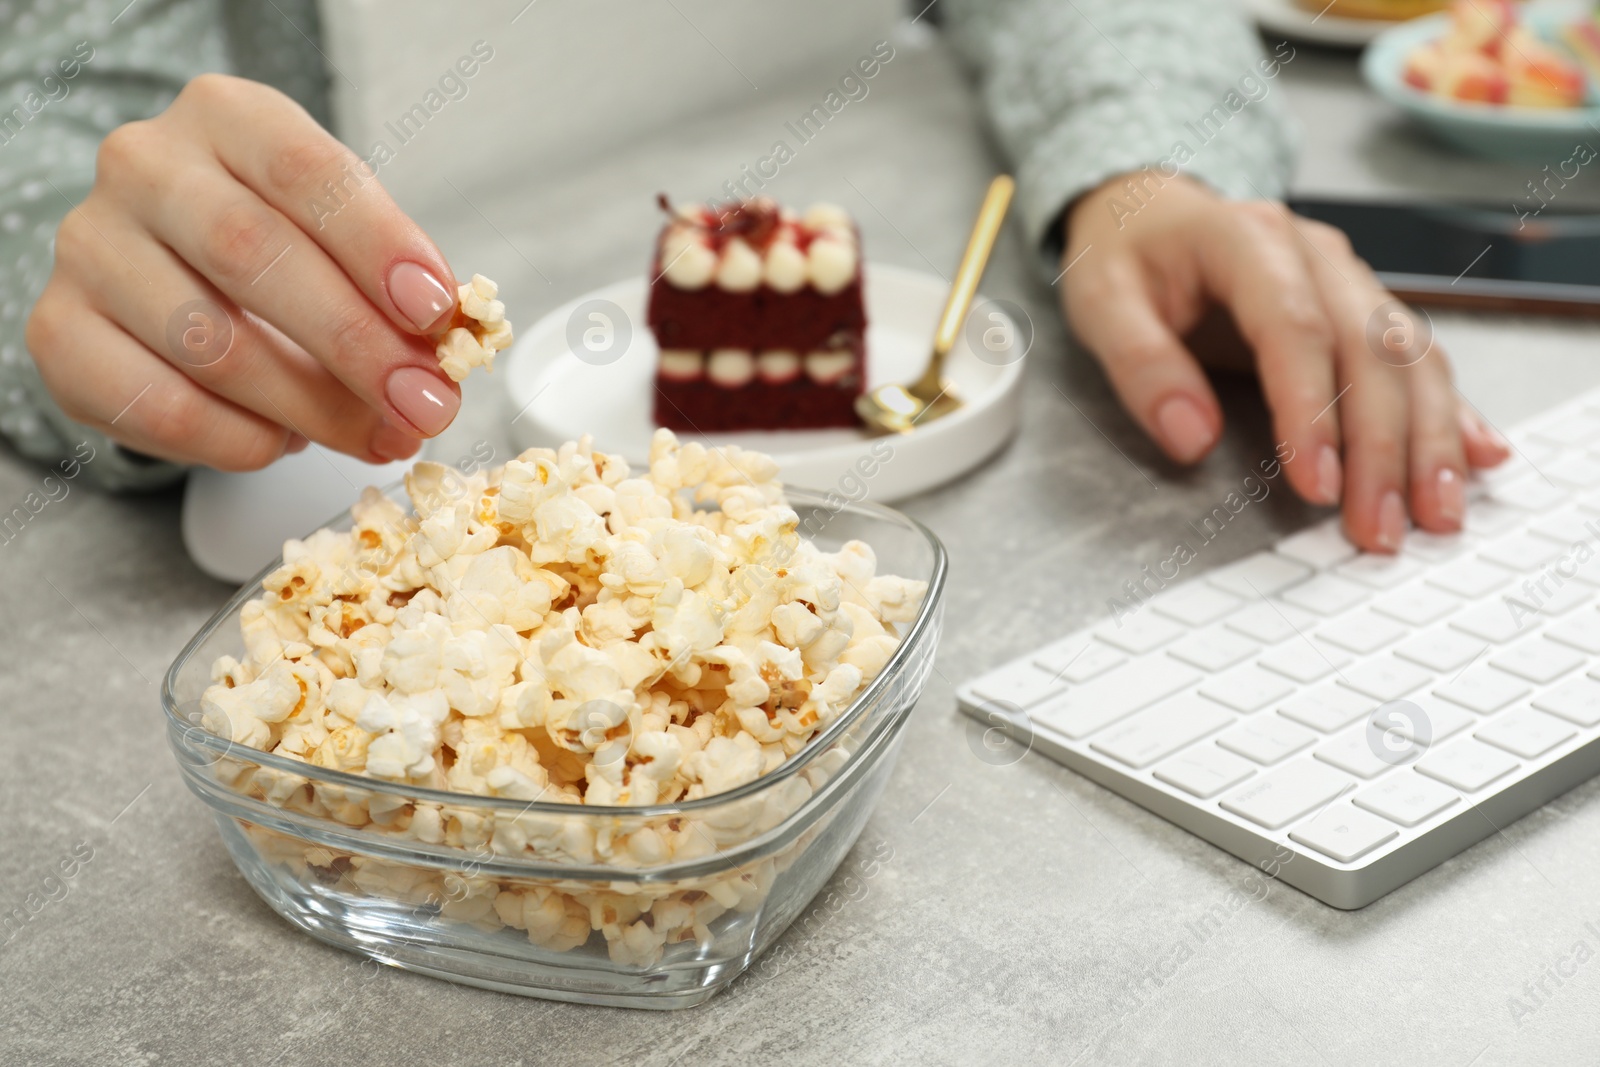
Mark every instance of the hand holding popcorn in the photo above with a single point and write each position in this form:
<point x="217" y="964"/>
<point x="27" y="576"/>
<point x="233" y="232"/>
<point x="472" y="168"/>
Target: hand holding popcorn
<point x="231" y="316"/>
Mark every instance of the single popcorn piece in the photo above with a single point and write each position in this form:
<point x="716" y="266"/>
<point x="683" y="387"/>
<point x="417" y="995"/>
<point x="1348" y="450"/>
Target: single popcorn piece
<point x="562" y="631"/>
<point x="478" y="330"/>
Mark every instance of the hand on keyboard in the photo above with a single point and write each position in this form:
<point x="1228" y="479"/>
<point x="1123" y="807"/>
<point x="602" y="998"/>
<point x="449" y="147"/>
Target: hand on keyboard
<point x="1363" y="406"/>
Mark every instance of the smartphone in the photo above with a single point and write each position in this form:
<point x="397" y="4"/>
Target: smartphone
<point x="1474" y="256"/>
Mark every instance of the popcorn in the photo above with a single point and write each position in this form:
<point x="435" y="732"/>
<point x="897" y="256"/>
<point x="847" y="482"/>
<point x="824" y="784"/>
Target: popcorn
<point x="725" y="763"/>
<point x="561" y="631"/>
<point x="477" y="332"/>
<point x="245" y="714"/>
<point x="406" y="733"/>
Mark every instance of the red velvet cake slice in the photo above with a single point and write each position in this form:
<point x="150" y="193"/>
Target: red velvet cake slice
<point x="759" y="317"/>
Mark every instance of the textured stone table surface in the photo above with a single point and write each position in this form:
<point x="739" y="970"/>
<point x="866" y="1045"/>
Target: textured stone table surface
<point x="1026" y="915"/>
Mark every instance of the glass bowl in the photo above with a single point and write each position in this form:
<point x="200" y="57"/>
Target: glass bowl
<point x="568" y="902"/>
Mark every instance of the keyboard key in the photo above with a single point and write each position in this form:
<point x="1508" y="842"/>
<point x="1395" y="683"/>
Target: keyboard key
<point x="1270" y="622"/>
<point x="1493" y="621"/>
<point x="1467" y="765"/>
<point x="1444" y="720"/>
<point x="1141" y="633"/>
<point x="1267" y="739"/>
<point x="1259" y="575"/>
<point x="1344" y="833"/>
<point x="1020" y="685"/>
<point x="1576" y="701"/>
<point x="1328" y="708"/>
<point x="1574" y="429"/>
<point x="1407" y="798"/>
<point x="1204" y="771"/>
<point x="1574" y="469"/>
<point x="1526" y="733"/>
<point x="1280" y="797"/>
<point x="1539" y="660"/>
<point x="1323" y="545"/>
<point x="1386" y="678"/>
<point x="1585" y="570"/>
<point x="1532" y="493"/>
<point x="1246" y="689"/>
<point x="1078" y="659"/>
<point x="1435" y="547"/>
<point x="1305" y="660"/>
<point x="1581" y="631"/>
<point x="1470" y="578"/>
<point x="1417" y="605"/>
<point x="1490" y="518"/>
<point x="1362" y="632"/>
<point x="1589" y="503"/>
<point x="1326" y="594"/>
<point x="1214" y="649"/>
<point x="1443" y="649"/>
<point x="1353" y="752"/>
<point x="1114" y="695"/>
<point x="1196" y="603"/>
<point x="1566" y="527"/>
<point x="1551" y="597"/>
<point x="1379" y="572"/>
<point x="1522" y="553"/>
<point x="1483" y="690"/>
<point x="1158" y="732"/>
<point x="1525" y="452"/>
<point x="1057" y="654"/>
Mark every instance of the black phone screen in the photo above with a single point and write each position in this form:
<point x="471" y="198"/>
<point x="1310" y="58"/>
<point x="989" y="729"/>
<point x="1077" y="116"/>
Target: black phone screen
<point x="1474" y="255"/>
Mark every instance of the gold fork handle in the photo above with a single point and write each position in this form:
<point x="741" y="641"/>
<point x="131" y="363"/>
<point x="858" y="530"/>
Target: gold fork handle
<point x="985" y="229"/>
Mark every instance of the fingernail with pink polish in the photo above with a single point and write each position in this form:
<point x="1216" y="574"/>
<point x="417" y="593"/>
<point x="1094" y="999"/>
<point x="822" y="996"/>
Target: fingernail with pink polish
<point x="1330" y="479"/>
<point x="1452" y="496"/>
<point x="1184" y="429"/>
<point x="392" y="443"/>
<point x="422" y="398"/>
<point x="1472" y="425"/>
<point x="1391" y="521"/>
<point x="420" y="296"/>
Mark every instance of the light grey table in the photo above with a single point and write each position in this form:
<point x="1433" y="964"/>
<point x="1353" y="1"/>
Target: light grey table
<point x="1025" y="916"/>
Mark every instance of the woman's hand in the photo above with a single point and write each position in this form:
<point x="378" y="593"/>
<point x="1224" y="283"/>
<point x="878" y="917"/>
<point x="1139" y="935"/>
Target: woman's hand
<point x="1378" y="426"/>
<point x="236" y="282"/>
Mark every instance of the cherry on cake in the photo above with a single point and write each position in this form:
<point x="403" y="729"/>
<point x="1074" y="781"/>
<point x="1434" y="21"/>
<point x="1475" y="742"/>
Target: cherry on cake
<point x="759" y="317"/>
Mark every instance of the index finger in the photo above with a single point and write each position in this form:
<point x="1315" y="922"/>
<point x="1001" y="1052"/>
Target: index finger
<point x="296" y="166"/>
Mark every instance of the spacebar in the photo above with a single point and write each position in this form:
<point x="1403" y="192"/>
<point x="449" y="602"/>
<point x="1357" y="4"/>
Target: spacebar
<point x="1117" y="694"/>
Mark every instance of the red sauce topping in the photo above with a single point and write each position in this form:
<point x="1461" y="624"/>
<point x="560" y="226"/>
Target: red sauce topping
<point x="757" y="222"/>
<point x="754" y="220"/>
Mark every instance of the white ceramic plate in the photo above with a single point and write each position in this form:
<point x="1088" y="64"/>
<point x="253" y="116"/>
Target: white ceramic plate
<point x="1288" y="18"/>
<point x="553" y="395"/>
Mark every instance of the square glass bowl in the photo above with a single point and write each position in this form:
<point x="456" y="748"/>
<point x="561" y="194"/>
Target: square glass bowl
<point x="568" y="902"/>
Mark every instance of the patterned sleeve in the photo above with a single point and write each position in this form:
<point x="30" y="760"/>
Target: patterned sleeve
<point x="1080" y="91"/>
<point x="70" y="72"/>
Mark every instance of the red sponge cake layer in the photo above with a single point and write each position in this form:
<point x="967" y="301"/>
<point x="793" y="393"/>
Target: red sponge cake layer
<point x="733" y="389"/>
<point x="763" y="318"/>
<point x="697" y="409"/>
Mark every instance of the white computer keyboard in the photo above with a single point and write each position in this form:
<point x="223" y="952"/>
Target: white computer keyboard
<point x="1349" y="720"/>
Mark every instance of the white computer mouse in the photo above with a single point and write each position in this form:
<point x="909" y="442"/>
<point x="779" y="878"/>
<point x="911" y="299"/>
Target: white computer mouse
<point x="234" y="524"/>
